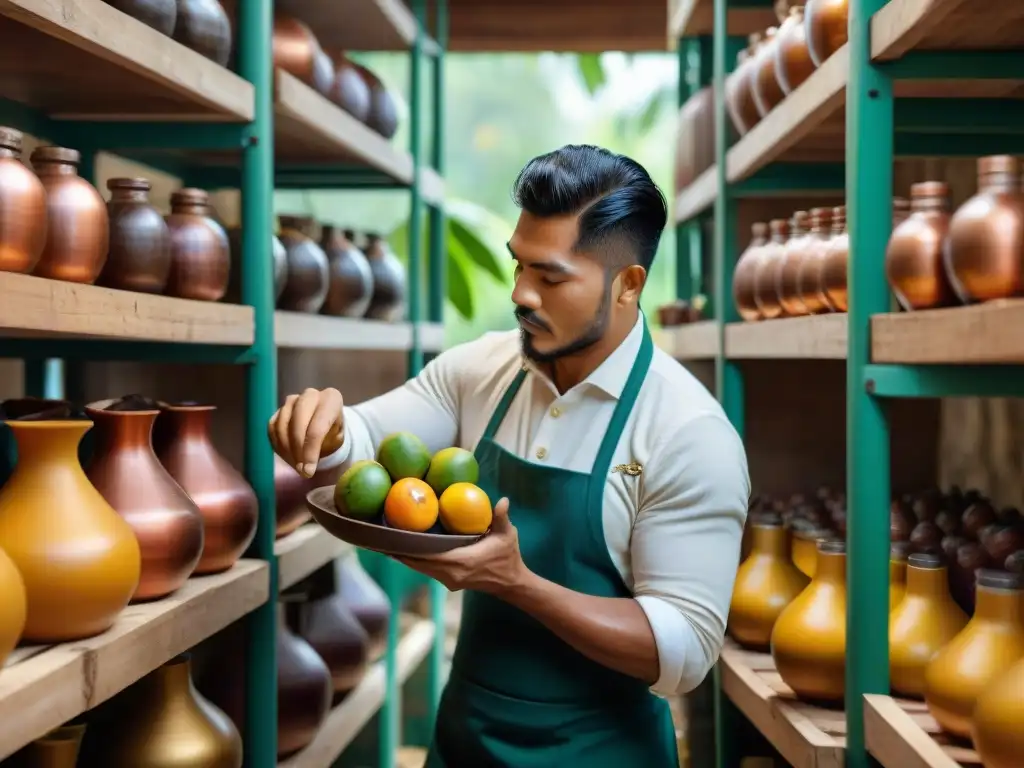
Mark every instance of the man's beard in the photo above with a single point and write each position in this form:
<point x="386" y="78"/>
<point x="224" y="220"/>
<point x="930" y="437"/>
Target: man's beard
<point x="593" y="333"/>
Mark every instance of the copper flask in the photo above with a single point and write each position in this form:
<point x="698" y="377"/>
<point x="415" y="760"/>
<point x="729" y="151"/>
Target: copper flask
<point x="22" y="208"/>
<point x="200" y="252"/>
<point x="139" y="257"/>
<point x="913" y="258"/>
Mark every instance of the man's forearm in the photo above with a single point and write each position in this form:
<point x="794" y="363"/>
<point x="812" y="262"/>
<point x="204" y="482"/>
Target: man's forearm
<point x="612" y="631"/>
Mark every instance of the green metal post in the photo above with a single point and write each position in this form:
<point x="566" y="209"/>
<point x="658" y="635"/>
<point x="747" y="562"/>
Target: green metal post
<point x="684" y="285"/>
<point x="869" y="159"/>
<point x="255" y="25"/>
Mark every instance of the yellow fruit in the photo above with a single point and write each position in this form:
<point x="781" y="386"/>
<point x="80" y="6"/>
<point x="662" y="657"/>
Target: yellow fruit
<point x="465" y="509"/>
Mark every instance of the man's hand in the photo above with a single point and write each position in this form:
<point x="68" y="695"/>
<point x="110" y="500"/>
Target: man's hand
<point x="307" y="427"/>
<point x="493" y="564"/>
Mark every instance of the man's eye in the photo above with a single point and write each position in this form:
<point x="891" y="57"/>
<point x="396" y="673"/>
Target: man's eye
<point x="549" y="281"/>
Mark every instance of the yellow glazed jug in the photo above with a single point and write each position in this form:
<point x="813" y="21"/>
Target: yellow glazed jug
<point x="805" y="547"/>
<point x="12" y="606"/>
<point x="898" y="552"/>
<point x="998" y="728"/>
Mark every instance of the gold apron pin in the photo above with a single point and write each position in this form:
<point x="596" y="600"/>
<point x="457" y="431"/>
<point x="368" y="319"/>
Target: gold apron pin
<point x="632" y="469"/>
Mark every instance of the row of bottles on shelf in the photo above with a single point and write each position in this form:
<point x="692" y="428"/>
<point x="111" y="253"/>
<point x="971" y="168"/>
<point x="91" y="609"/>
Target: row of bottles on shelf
<point x="934" y="258"/>
<point x="956" y="634"/>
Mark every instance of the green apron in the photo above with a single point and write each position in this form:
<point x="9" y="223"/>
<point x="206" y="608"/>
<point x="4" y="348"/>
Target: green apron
<point x="518" y="696"/>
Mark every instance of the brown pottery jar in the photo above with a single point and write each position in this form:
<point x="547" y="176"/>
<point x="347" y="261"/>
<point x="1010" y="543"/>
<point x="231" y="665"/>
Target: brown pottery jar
<point x="303" y="690"/>
<point x="161" y="15"/>
<point x="913" y="258"/>
<point x="826" y="22"/>
<point x="985" y="248"/>
<point x="297" y="51"/>
<point x="57" y="749"/>
<point x="793" y="62"/>
<point x="382" y="117"/>
<point x="308" y="269"/>
<point x="746" y="113"/>
<point x="22" y="208"/>
<point x="793" y="254"/>
<point x="808" y="279"/>
<point x="290" y="489"/>
<point x="78" y="231"/>
<point x="367" y="601"/>
<point x="766" y="276"/>
<point x="203" y="26"/>
<point x="746" y="269"/>
<point x="388" y="280"/>
<point x="225" y="500"/>
<point x="997" y="729"/>
<point x="277" y="254"/>
<point x="833" y="267"/>
<point x="733" y="82"/>
<point x="200" y="253"/>
<point x="767" y="93"/>
<point x="350" y="91"/>
<point x="139" y="258"/>
<point x="338" y="638"/>
<point x="350" y="277"/>
<point x="695" y="138"/>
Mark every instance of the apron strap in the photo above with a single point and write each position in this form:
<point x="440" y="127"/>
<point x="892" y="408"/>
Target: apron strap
<point x="506" y="400"/>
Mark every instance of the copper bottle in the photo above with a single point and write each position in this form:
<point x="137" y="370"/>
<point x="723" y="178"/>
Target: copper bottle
<point x="367" y="601"/>
<point x="139" y="258"/>
<point x="161" y="15"/>
<point x="743" y="274"/>
<point x="350" y="91"/>
<point x="793" y="62"/>
<point x="338" y="638"/>
<point x="78" y="231"/>
<point x="388" y="300"/>
<point x="277" y="254"/>
<point x="985" y="246"/>
<point x="227" y="503"/>
<point x="308" y="270"/>
<point x="898" y="553"/>
<point x="290" y="489"/>
<point x="997" y="728"/>
<point x="913" y="258"/>
<point x="767" y="93"/>
<point x="992" y="640"/>
<point x="808" y="275"/>
<point x="303" y="690"/>
<point x="22" y="208"/>
<point x="793" y="254"/>
<point x="200" y="253"/>
<point x="203" y="26"/>
<point x="745" y="107"/>
<point x="383" y="118"/>
<point x="57" y="749"/>
<point x="695" y="138"/>
<point x="126" y="471"/>
<point x="766" y="276"/>
<point x="833" y="268"/>
<point x="922" y="624"/>
<point x="351" y="279"/>
<point x="826" y="22"/>
<point x="734" y="81"/>
<point x="297" y="51"/>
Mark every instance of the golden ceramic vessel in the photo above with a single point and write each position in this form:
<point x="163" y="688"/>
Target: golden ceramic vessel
<point x="998" y="720"/>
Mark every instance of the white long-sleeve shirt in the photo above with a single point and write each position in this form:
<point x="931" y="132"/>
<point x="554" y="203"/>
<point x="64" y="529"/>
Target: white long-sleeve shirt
<point x="673" y="531"/>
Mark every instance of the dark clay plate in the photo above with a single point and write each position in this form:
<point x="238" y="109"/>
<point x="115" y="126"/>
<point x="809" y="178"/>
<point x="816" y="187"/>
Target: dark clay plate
<point x="376" y="537"/>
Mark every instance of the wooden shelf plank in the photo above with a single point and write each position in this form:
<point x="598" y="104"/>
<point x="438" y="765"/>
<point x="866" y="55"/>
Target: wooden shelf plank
<point x="42" y="688"/>
<point x="696" y="17"/>
<point x="110" y="65"/>
<point x="980" y="333"/>
<point x="347" y="719"/>
<point x="820" y="337"/>
<point x="38" y="306"/>
<point x="803" y="734"/>
<point x="901" y="734"/>
<point x="298" y="330"/>
<point x="697" y="197"/>
<point x="305" y="550"/>
<point x="357" y="25"/>
<point x="902" y="25"/>
<point x="692" y="341"/>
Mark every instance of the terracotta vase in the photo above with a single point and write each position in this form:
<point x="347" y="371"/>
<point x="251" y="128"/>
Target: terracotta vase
<point x="351" y="279"/>
<point x="200" y="252"/>
<point x="308" y="270"/>
<point x="367" y="601"/>
<point x="765" y="584"/>
<point x="809" y="639"/>
<point x="57" y="749"/>
<point x="167" y="723"/>
<point x="290" y="489"/>
<point x="297" y="51"/>
<point x="898" y="554"/>
<point x="303" y="690"/>
<point x="203" y="26"/>
<point x="766" y="276"/>
<point x="793" y="254"/>
<point x="826" y="22"/>
<point x="13" y="607"/>
<point x="807" y="280"/>
<point x="78" y="232"/>
<point x="804" y="547"/>
<point x="997" y="728"/>
<point x="382" y="117"/>
<point x="992" y="640"/>
<point x="139" y="255"/>
<point x="767" y="93"/>
<point x="225" y="500"/>
<point x="338" y="638"/>
<point x="793" y="62"/>
<point x="921" y="625"/>
<point x="23" y="206"/>
<point x="739" y="99"/>
<point x="126" y="471"/>
<point x="161" y="15"/>
<point x="350" y="91"/>
<point x="833" y="268"/>
<point x="985" y="246"/>
<point x="388" y="302"/>
<point x="913" y="258"/>
<point x="695" y="137"/>
<point x="79" y="559"/>
<point x="743" y="274"/>
<point x="277" y="254"/>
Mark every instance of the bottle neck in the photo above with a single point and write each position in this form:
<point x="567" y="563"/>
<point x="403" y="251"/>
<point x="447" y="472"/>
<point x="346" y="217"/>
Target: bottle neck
<point x="831" y="568"/>
<point x="48" y="441"/>
<point x="897" y="572"/>
<point x="1003" y="606"/>
<point x="129" y="196"/>
<point x="124" y="429"/>
<point x="189" y="209"/>
<point x="1002" y="181"/>
<point x="927" y="582"/>
<point x="55" y="169"/>
<point x="770" y="540"/>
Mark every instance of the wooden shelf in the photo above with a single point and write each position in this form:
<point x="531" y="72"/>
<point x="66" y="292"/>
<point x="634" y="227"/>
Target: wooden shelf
<point x="356" y="25"/>
<point x="820" y="337"/>
<point x="902" y="25"/>
<point x="692" y="341"/>
<point x="305" y="550"/>
<point x="696" y="17"/>
<point x="42" y="687"/>
<point x="84" y="59"/>
<point x="347" y="719"/>
<point x="697" y="197"/>
<point x="901" y="734"/>
<point x="803" y="734"/>
<point x="32" y="306"/>
<point x="297" y="330"/>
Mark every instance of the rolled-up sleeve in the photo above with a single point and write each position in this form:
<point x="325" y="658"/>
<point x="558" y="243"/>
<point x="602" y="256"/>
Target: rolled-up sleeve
<point x="685" y="546"/>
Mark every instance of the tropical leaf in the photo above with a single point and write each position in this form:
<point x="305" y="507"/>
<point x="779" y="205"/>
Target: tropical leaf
<point x="591" y="71"/>
<point x="460" y="290"/>
<point x="474" y="248"/>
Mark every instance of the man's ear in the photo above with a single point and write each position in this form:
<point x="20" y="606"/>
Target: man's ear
<point x="629" y="283"/>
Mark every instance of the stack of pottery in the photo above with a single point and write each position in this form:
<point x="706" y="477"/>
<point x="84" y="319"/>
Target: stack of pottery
<point x="308" y="278"/>
<point x="201" y="25"/>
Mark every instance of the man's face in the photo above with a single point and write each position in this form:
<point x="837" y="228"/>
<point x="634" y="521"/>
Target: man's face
<point x="562" y="297"/>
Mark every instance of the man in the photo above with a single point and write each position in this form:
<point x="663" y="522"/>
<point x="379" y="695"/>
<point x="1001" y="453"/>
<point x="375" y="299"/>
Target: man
<point x="623" y="489"/>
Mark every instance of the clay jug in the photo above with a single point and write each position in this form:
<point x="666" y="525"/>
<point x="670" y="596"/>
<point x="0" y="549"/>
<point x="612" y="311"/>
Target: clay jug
<point x="297" y="51"/>
<point x="350" y="91"/>
<point x="804" y="546"/>
<point x="997" y="728"/>
<point x="161" y="15"/>
<point x="743" y="274"/>
<point x="225" y="500"/>
<point x="367" y="601"/>
<point x="388" y="300"/>
<point x="308" y="270"/>
<point x="826" y="23"/>
<point x="139" y="256"/>
<point x="79" y="559"/>
<point x="200" y="253"/>
<point x="351" y="279"/>
<point x="793" y="62"/>
<point x="922" y="624"/>
<point x="992" y="640"/>
<point x="766" y="295"/>
<point x="985" y="248"/>
<point x="695" y="137"/>
<point x="303" y="690"/>
<point x="833" y="266"/>
<point x="338" y="638"/>
<point x="898" y="552"/>
<point x="13" y="608"/>
<point x="808" y="285"/>
<point x="737" y="93"/>
<point x="793" y="254"/>
<point x="767" y="93"/>
<point x="166" y="719"/>
<point x="78" y="232"/>
<point x="204" y="27"/>
<point x="57" y="749"/>
<point x="277" y="254"/>
<point x="290" y="490"/>
<point x="126" y="471"/>
<point x="913" y="258"/>
<point x="383" y="117"/>
<point x="809" y="639"/>
<point x="766" y="583"/>
<point x="22" y="208"/>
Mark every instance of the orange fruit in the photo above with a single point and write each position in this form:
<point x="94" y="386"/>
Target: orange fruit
<point x="465" y="509"/>
<point x="411" y="505"/>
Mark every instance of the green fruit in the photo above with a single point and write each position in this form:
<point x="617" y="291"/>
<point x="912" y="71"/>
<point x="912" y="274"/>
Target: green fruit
<point x="450" y="466"/>
<point x="361" y="490"/>
<point x="403" y="455"/>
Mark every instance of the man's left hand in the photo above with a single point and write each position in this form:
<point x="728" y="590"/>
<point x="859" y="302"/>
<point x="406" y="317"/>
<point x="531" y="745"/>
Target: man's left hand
<point x="492" y="565"/>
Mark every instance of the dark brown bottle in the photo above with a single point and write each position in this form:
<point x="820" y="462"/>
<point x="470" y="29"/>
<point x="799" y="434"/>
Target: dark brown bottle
<point x="367" y="601"/>
<point x="22" y="208"/>
<point x="303" y="690"/>
<point x="200" y="253"/>
<point x="350" y="91"/>
<point x="203" y="26"/>
<point x="308" y="275"/>
<point x="383" y="118"/>
<point x="161" y="15"/>
<point x="388" y="280"/>
<point x="139" y="258"/>
<point x="351" y="279"/>
<point x="277" y="253"/>
<point x="290" y="489"/>
<point x="335" y="633"/>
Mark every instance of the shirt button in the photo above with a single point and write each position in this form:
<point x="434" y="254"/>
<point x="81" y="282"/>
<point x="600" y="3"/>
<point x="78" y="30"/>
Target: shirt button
<point x="555" y="411"/>
<point x="542" y="452"/>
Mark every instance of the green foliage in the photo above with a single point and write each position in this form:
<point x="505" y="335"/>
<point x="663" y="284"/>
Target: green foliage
<point x="591" y="71"/>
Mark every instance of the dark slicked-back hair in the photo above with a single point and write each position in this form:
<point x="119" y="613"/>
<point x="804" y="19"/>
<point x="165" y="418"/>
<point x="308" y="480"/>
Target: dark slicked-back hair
<point x="622" y="213"/>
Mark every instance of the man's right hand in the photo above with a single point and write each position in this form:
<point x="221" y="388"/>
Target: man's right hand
<point x="308" y="427"/>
